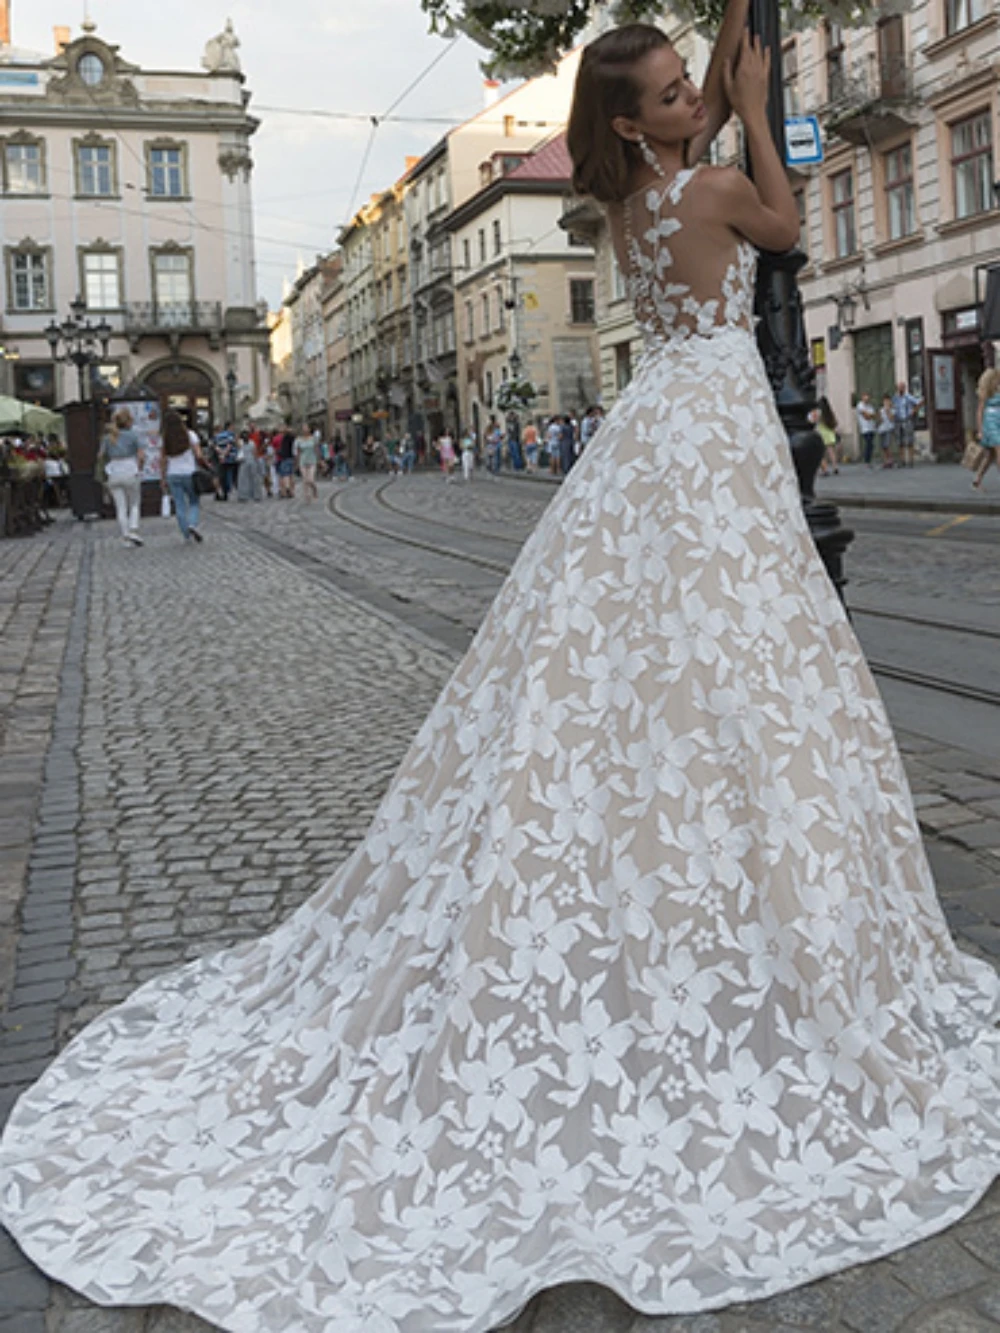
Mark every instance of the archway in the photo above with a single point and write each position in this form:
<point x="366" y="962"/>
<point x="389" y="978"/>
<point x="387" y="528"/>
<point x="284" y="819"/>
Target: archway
<point x="186" y="388"/>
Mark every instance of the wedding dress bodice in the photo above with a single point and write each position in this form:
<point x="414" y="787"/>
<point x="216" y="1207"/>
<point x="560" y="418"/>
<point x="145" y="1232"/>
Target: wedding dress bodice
<point x="679" y="285"/>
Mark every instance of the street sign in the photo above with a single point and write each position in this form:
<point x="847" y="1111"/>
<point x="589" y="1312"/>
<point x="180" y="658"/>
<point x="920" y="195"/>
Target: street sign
<point x="803" y="142"/>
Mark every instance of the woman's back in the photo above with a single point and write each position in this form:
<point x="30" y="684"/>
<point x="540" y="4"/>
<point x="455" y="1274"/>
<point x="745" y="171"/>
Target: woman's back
<point x="688" y="271"/>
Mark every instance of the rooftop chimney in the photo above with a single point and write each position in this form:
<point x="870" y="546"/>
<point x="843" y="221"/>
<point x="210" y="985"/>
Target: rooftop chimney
<point x="4" y="22"/>
<point x="62" y="37"/>
<point x="491" y="91"/>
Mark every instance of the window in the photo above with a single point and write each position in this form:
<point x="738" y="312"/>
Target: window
<point x="482" y="246"/>
<point x="470" y="323"/>
<point x="842" y="197"/>
<point x="166" y="173"/>
<point x="497" y="244"/>
<point x="790" y="76"/>
<point x="172" y="287"/>
<point x="28" y="280"/>
<point x="581" y="300"/>
<point x="101" y="280"/>
<point x="489" y="388"/>
<point x="892" y="62"/>
<point x="498" y="299"/>
<point x="901" y="213"/>
<point x="90" y="68"/>
<point x="623" y="365"/>
<point x="466" y="255"/>
<point x="833" y="38"/>
<point x="484" y="301"/>
<point x="800" y="204"/>
<point x="959" y="14"/>
<point x="94" y="169"/>
<point x="619" y="287"/>
<point x="972" y="165"/>
<point x="24" y="168"/>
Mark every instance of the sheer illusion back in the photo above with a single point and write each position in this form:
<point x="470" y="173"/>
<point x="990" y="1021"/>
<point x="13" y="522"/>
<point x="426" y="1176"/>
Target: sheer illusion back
<point x="681" y="281"/>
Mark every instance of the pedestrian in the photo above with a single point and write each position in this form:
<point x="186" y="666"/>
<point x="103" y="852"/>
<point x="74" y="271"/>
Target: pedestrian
<point x="530" y="439"/>
<point x="553" y="437"/>
<point x="446" y="454"/>
<point x="905" y="406"/>
<point x="227" y="451"/>
<point x="988" y="423"/>
<point x="249" y="482"/>
<point x="468" y="445"/>
<point x="867" y="419"/>
<point x="567" y="445"/>
<point x="885" y="431"/>
<point x="123" y="460"/>
<point x="409" y="452"/>
<point x="306" y="457"/>
<point x="826" y="429"/>
<point x="179" y="459"/>
<point x="286" y="465"/>
<point x="514" y="451"/>
<point x="590" y="424"/>
<point x="341" y="467"/>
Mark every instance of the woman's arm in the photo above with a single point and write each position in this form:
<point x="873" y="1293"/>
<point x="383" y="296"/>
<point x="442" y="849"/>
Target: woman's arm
<point x="764" y="210"/>
<point x="714" y="92"/>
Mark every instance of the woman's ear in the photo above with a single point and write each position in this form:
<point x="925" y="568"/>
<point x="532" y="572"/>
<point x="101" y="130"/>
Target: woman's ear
<point x="626" y="129"/>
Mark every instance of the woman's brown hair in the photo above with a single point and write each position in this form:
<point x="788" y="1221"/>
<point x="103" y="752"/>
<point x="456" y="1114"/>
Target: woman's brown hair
<point x="175" y="436"/>
<point x="603" y="162"/>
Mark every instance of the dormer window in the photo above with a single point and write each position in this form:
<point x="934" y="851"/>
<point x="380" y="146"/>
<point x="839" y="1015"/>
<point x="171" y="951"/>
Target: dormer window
<point x="90" y="68"/>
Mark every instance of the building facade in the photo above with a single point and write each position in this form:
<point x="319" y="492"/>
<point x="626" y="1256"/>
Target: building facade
<point x="390" y="274"/>
<point x="524" y="288"/>
<point x="904" y="209"/>
<point x="130" y="189"/>
<point x="432" y="401"/>
<point x="355" y="241"/>
<point x="333" y="300"/>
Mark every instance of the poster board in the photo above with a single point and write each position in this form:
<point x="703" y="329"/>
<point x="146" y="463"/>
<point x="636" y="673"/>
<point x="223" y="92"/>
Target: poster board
<point x="146" y="426"/>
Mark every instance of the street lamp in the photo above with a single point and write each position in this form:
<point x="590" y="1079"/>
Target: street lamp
<point x="515" y="365"/>
<point x="781" y="334"/>
<point x="231" y="386"/>
<point x="79" y="339"/>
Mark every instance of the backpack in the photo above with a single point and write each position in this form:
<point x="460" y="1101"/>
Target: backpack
<point x="991" y="422"/>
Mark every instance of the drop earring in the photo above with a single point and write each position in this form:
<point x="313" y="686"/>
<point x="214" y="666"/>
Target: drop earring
<point x="649" y="157"/>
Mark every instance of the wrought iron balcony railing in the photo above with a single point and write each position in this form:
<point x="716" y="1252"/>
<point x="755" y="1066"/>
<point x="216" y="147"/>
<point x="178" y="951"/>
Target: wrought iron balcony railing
<point x="170" y="316"/>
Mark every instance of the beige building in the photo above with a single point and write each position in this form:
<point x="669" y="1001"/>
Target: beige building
<point x="355" y="241"/>
<point x="459" y="166"/>
<point x="523" y="285"/>
<point x="340" y="404"/>
<point x="390" y="277"/>
<point x="130" y="189"/>
<point x="904" y="207"/>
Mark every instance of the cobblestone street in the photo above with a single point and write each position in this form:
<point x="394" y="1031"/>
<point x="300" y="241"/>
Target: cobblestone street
<point x="194" y="738"/>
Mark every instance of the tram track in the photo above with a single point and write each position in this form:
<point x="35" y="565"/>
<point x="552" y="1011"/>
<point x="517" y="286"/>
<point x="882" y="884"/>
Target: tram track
<point x="890" y="671"/>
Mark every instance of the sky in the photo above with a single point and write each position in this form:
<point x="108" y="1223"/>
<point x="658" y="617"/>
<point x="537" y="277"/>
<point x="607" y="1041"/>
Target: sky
<point x="333" y="55"/>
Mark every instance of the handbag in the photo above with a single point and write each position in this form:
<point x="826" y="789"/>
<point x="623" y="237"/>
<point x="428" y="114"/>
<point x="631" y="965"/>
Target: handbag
<point x="204" y="482"/>
<point x="973" y="456"/>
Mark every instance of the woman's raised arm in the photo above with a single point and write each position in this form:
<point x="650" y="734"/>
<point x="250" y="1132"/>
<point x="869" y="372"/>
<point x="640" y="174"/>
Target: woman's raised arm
<point x="714" y="94"/>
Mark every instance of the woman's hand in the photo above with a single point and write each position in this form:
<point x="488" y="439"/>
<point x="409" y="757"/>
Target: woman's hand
<point x="746" y="79"/>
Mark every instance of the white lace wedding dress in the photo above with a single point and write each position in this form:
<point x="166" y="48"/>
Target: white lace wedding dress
<point x="638" y="977"/>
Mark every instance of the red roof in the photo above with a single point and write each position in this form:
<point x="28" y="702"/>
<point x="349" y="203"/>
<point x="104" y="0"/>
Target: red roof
<point x="551" y="162"/>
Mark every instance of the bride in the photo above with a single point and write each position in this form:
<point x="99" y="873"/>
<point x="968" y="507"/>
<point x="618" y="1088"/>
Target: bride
<point x="639" y="975"/>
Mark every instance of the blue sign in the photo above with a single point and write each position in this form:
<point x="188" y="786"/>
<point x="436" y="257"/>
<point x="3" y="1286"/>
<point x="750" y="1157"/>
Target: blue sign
<point x="803" y="142"/>
<point x="18" y="78"/>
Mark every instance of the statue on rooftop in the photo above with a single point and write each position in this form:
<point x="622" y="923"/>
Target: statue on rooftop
<point x="220" y="52"/>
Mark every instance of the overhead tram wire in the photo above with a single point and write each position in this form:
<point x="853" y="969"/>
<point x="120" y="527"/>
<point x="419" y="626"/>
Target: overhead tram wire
<point x="377" y="120"/>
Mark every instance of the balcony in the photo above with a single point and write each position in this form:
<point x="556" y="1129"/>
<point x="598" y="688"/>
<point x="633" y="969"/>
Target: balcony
<point x="173" y="320"/>
<point x="872" y="101"/>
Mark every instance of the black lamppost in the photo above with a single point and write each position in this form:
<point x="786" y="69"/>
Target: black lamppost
<point x="231" y="387"/>
<point x="79" y="339"/>
<point x="781" y="335"/>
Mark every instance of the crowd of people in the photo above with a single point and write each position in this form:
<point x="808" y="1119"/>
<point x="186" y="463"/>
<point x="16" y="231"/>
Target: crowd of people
<point x="555" y="444"/>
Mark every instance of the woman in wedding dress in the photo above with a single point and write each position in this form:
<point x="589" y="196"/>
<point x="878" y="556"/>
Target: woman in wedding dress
<point x="639" y="975"/>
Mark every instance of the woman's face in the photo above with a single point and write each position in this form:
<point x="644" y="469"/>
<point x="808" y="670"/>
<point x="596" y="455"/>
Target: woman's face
<point x="671" y="108"/>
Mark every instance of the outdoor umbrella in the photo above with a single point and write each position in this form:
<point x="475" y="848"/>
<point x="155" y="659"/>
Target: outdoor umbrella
<point x="15" y="415"/>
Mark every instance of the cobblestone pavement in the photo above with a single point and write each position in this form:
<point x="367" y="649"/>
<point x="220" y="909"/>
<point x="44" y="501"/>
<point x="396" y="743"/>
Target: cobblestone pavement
<point x="223" y="727"/>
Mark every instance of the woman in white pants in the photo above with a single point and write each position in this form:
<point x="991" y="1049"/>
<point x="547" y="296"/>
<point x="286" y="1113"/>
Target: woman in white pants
<point x="123" y="460"/>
